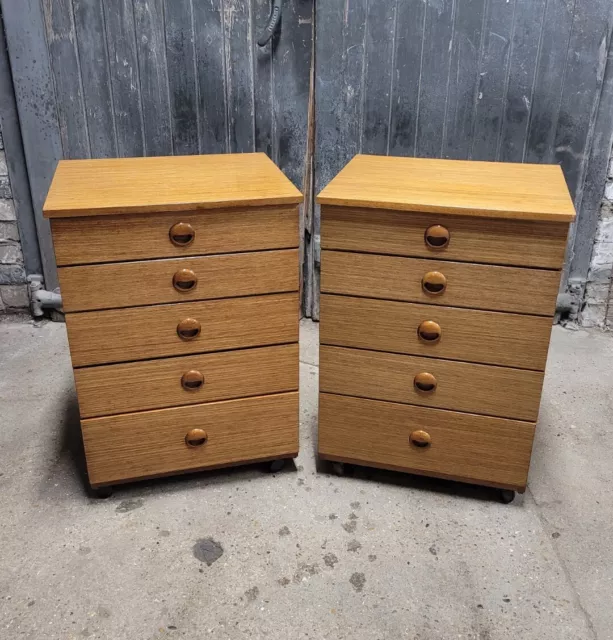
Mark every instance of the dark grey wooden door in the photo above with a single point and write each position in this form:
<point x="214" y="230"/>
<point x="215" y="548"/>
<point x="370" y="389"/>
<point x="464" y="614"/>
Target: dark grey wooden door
<point x="104" y="78"/>
<point x="505" y="80"/>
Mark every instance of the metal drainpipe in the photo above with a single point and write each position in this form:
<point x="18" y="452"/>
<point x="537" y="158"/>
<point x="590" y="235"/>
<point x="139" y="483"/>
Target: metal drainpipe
<point x="40" y="298"/>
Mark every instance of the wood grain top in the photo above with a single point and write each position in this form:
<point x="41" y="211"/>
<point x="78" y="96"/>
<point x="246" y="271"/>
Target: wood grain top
<point x="485" y="189"/>
<point x="177" y="183"/>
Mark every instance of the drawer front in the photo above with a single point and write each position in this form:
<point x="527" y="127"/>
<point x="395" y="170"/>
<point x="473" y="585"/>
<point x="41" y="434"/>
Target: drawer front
<point x="122" y="335"/>
<point x="430" y="382"/>
<point x="506" y="242"/>
<point x="137" y="237"/>
<point x="153" y="384"/>
<point x="153" y="443"/>
<point x="487" y="337"/>
<point x="453" y="284"/>
<point x="107" y="286"/>
<point x="461" y="446"/>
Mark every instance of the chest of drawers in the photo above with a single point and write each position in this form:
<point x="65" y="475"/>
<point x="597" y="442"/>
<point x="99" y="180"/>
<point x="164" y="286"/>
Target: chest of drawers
<point x="179" y="280"/>
<point x="439" y="280"/>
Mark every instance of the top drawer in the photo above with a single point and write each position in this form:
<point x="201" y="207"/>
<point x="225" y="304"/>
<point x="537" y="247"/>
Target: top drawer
<point x="489" y="241"/>
<point x="165" y="235"/>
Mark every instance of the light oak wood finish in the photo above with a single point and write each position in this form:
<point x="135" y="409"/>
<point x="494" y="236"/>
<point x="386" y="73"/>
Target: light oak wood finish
<point x="153" y="384"/>
<point x="476" y="336"/>
<point x="129" y="284"/>
<point x="141" y="333"/>
<point x="471" y="448"/>
<point x="444" y="384"/>
<point x="529" y="291"/>
<point x="489" y="189"/>
<point x="139" y="237"/>
<point x="488" y="241"/>
<point x="176" y="183"/>
<point x="151" y="443"/>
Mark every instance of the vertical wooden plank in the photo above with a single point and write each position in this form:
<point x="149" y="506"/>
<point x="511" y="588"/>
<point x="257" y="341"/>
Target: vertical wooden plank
<point x="181" y="76"/>
<point x="351" y="88"/>
<point x="16" y="164"/>
<point x="210" y="75"/>
<point x="529" y="15"/>
<point x="35" y="94"/>
<point x="263" y="82"/>
<point x="93" y="55"/>
<point x="493" y="71"/>
<point x="464" y="79"/>
<point x="125" y="81"/>
<point x="239" y="70"/>
<point x="328" y="89"/>
<point x="410" y="18"/>
<point x="61" y="41"/>
<point x="589" y="194"/>
<point x="292" y="61"/>
<point x="153" y="74"/>
<point x="549" y="81"/>
<point x="580" y="96"/>
<point x="379" y="62"/>
<point x="435" y="71"/>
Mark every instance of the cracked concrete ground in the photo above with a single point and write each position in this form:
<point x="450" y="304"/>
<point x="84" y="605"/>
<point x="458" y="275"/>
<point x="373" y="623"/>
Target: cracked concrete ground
<point x="303" y="554"/>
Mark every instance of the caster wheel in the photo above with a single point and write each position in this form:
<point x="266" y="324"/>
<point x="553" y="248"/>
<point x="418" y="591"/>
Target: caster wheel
<point x="338" y="469"/>
<point x="276" y="465"/>
<point x="102" y="493"/>
<point x="507" y="496"/>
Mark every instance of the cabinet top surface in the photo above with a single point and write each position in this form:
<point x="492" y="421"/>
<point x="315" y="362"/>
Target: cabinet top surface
<point x="162" y="184"/>
<point x="485" y="189"/>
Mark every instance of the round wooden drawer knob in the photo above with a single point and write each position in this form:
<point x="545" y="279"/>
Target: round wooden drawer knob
<point x="425" y="382"/>
<point x="437" y="237"/>
<point x="192" y="380"/>
<point x="434" y="283"/>
<point x="182" y="234"/>
<point x="429" y="331"/>
<point x="196" y="438"/>
<point x="184" y="280"/>
<point x="188" y="329"/>
<point x="420" y="439"/>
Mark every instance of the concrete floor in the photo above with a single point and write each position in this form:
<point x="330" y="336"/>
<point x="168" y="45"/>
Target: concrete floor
<point x="242" y="554"/>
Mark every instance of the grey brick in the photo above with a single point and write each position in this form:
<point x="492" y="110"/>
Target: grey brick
<point x="5" y="187"/>
<point x="15" y="296"/>
<point x="10" y="253"/>
<point x="9" y="231"/>
<point x="7" y="210"/>
<point x="1" y="141"/>
<point x="3" y="169"/>
<point x="12" y="274"/>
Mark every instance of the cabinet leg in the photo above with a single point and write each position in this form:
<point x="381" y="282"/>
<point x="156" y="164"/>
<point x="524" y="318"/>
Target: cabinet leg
<point x="507" y="496"/>
<point x="102" y="493"/>
<point x="338" y="469"/>
<point x="276" y="465"/>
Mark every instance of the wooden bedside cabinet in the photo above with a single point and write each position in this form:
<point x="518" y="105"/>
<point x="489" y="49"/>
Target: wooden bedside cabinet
<point x="439" y="281"/>
<point x="179" y="280"/>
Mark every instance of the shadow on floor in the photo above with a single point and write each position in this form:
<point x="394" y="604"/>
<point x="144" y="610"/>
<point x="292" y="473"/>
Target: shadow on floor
<point x="417" y="482"/>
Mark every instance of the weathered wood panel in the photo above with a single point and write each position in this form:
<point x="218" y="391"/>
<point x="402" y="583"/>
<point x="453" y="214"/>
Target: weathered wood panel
<point x="153" y="75"/>
<point x="95" y="77"/>
<point x="510" y="80"/>
<point x="125" y="78"/>
<point x="180" y="55"/>
<point x="156" y="77"/>
<point x="210" y="76"/>
<point x="61" y="40"/>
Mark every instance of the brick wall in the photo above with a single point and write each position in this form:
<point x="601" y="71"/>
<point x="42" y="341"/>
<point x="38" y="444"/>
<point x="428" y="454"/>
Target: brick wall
<point x="13" y="287"/>
<point x="598" y="307"/>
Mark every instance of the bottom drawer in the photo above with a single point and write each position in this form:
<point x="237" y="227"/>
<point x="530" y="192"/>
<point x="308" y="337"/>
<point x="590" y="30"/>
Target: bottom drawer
<point x="153" y="443"/>
<point x="462" y="446"/>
